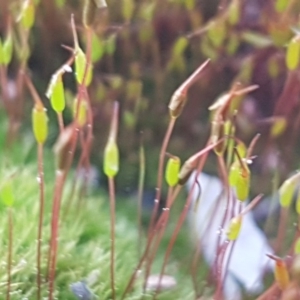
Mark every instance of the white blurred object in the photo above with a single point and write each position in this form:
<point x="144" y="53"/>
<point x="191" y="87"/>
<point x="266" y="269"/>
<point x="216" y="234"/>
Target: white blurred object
<point x="248" y="259"/>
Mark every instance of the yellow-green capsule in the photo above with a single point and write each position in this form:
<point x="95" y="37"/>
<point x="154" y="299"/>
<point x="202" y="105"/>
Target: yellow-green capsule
<point x="172" y="171"/>
<point x="98" y="48"/>
<point x="278" y="127"/>
<point x="293" y="53"/>
<point x="110" y="45"/>
<point x="60" y="3"/>
<point x="179" y="46"/>
<point x="7" y="193"/>
<point x="40" y="123"/>
<point x="56" y="93"/>
<point x="234" y="228"/>
<point x="234" y="12"/>
<point x="1" y="52"/>
<point x="281" y="5"/>
<point x="28" y="14"/>
<point x="217" y="32"/>
<point x="286" y="192"/>
<point x="7" y="49"/>
<point x="242" y="186"/>
<point x="127" y="9"/>
<point x="80" y="65"/>
<point x="297" y="246"/>
<point x="239" y="179"/>
<point x="298" y="203"/>
<point x="111" y="159"/>
<point x="81" y="115"/>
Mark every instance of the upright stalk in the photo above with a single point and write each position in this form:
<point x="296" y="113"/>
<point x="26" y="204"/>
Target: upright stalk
<point x="59" y="183"/>
<point x="112" y="235"/>
<point x="41" y="217"/>
<point x="10" y="248"/>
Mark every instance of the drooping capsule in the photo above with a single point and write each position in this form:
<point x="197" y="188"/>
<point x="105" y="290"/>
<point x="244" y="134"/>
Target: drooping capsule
<point x="172" y="171"/>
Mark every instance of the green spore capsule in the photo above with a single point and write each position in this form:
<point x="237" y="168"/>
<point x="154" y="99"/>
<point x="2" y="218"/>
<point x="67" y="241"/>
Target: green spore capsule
<point x="7" y="194"/>
<point x="80" y="65"/>
<point x="172" y="171"/>
<point x="7" y="50"/>
<point x="110" y="45"/>
<point x="56" y="93"/>
<point x="28" y="14"/>
<point x="179" y="46"/>
<point x="281" y="5"/>
<point x="297" y="246"/>
<point x="278" y="127"/>
<point x="111" y="159"/>
<point x="217" y="33"/>
<point x="98" y="48"/>
<point x="127" y="9"/>
<point x="239" y="179"/>
<point x="293" y="53"/>
<point x="40" y="123"/>
<point x="298" y="203"/>
<point x="1" y="52"/>
<point x="286" y="192"/>
<point x="81" y="116"/>
<point x="234" y="228"/>
<point x="234" y="12"/>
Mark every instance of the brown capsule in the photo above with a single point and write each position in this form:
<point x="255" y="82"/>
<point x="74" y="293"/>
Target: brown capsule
<point x="217" y="132"/>
<point x="177" y="103"/>
<point x="186" y="171"/>
<point x="89" y="12"/>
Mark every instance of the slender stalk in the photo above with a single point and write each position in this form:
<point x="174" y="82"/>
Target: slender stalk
<point x="112" y="235"/>
<point x="160" y="173"/>
<point x="180" y="223"/>
<point x="59" y="183"/>
<point x="159" y="231"/>
<point x="41" y="217"/>
<point x="146" y="251"/>
<point x="284" y="213"/>
<point x="140" y="196"/>
<point x="10" y="248"/>
<point x="271" y="293"/>
<point x="60" y="121"/>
